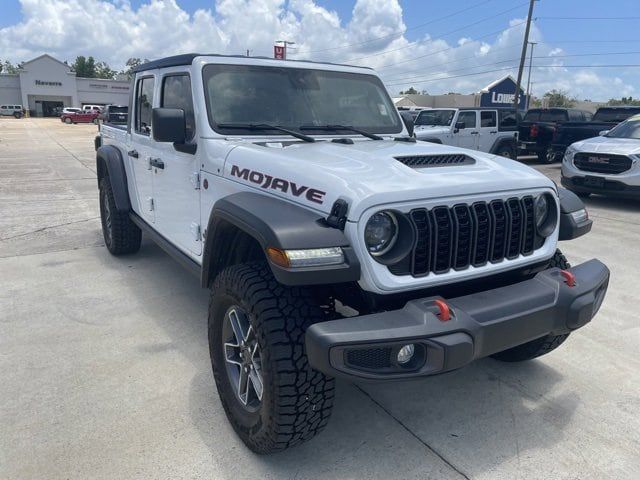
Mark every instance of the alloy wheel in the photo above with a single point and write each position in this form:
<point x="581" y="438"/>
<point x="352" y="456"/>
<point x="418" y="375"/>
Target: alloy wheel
<point x="242" y="357"/>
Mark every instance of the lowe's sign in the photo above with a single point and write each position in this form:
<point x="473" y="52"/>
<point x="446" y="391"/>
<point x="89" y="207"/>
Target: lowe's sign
<point x="501" y="93"/>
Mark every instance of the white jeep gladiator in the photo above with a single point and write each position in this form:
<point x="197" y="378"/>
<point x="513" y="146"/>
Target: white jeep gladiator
<point x="333" y="243"/>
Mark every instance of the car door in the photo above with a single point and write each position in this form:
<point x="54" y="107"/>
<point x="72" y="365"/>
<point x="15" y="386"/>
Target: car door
<point x="467" y="137"/>
<point x="140" y="149"/>
<point x="488" y="130"/>
<point x="176" y="181"/>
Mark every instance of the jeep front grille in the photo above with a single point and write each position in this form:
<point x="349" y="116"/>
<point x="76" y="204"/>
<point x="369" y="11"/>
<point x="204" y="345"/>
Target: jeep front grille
<point x="601" y="163"/>
<point x="436" y="160"/>
<point x="469" y="235"/>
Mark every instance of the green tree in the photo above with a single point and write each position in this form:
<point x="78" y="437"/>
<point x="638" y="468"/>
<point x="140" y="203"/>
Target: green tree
<point x="103" y="70"/>
<point x="624" y="101"/>
<point x="131" y="64"/>
<point x="84" y="67"/>
<point x="410" y="91"/>
<point x="559" y="98"/>
<point x="8" y="67"/>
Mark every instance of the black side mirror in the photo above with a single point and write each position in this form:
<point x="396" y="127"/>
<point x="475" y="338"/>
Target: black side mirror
<point x="407" y="119"/>
<point x="169" y="125"/>
<point x="460" y="126"/>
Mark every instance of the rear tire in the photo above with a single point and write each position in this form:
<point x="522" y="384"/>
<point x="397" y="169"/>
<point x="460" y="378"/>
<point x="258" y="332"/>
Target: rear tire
<point x="295" y="401"/>
<point x="121" y="235"/>
<point x="539" y="346"/>
<point x="507" y="152"/>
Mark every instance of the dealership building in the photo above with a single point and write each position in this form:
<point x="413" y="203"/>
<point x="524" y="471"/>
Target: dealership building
<point x="44" y="85"/>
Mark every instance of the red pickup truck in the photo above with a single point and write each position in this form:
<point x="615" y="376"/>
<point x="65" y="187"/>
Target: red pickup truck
<point x="80" y="117"/>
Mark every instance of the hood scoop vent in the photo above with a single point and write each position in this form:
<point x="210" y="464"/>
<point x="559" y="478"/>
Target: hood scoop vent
<point x="444" y="160"/>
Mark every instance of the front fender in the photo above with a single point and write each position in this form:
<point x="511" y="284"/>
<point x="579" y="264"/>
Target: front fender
<point x="273" y="222"/>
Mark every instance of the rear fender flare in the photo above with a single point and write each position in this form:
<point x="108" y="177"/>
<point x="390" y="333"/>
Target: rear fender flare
<point x="109" y="163"/>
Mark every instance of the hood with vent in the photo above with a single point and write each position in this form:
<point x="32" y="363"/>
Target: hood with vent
<point x="369" y="173"/>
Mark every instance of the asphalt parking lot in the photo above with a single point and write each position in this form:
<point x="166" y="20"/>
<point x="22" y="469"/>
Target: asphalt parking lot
<point x="105" y="369"/>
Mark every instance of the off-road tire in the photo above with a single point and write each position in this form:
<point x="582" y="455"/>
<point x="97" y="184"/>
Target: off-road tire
<point x="507" y="152"/>
<point x="540" y="346"/>
<point x="121" y="235"/>
<point x="297" y="400"/>
<point x="17" y="115"/>
<point x="547" y="156"/>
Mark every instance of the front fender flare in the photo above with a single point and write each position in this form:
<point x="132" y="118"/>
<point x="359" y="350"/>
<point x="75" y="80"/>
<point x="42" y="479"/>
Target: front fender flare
<point x="273" y="222"/>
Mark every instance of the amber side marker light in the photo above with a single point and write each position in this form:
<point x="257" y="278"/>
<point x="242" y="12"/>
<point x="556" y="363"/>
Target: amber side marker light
<point x="313" y="257"/>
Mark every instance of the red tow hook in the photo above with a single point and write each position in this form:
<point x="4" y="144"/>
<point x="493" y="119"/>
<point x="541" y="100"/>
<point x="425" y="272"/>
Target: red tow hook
<point x="444" y="313"/>
<point x="569" y="278"/>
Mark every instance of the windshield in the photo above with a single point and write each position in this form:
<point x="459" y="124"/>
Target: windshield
<point x="293" y="97"/>
<point x="118" y="109"/>
<point x="435" y="117"/>
<point x="613" y="114"/>
<point x="545" y="116"/>
<point x="628" y="129"/>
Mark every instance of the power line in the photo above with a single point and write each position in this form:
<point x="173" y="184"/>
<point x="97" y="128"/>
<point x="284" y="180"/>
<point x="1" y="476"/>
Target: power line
<point x="547" y="57"/>
<point x="464" y="27"/>
<point x="399" y="32"/>
<point x="413" y="59"/>
<point x="588" y="18"/>
<point x="434" y="79"/>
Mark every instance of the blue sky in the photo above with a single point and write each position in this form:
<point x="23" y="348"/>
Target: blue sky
<point x="331" y="24"/>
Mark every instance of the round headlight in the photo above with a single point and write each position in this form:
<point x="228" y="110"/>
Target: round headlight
<point x="380" y="233"/>
<point x="541" y="210"/>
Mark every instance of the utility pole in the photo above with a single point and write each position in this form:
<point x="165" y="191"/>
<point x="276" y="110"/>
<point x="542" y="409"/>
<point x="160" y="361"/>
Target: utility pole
<point x="516" y="97"/>
<point x="533" y="44"/>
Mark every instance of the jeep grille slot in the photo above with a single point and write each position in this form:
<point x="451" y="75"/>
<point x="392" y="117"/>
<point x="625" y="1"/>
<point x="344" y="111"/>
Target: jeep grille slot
<point x="469" y="235"/>
<point x="443" y="160"/>
<point x="598" y="163"/>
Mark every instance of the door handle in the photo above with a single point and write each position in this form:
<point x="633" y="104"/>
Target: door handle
<point x="133" y="153"/>
<point x="493" y="131"/>
<point x="156" y="162"/>
<point x="474" y="133"/>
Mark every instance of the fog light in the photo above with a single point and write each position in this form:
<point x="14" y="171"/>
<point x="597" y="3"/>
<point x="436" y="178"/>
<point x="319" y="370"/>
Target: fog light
<point x="405" y="354"/>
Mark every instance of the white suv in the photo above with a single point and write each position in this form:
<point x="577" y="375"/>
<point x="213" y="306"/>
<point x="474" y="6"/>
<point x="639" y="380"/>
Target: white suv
<point x="488" y="130"/>
<point x="11" y="111"/>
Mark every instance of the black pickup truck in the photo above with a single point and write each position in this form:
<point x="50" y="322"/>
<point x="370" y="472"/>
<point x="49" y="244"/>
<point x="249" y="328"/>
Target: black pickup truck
<point x="605" y="118"/>
<point x="537" y="130"/>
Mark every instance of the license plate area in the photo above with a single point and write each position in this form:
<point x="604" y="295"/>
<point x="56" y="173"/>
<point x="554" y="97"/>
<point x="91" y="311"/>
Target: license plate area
<point x="596" y="182"/>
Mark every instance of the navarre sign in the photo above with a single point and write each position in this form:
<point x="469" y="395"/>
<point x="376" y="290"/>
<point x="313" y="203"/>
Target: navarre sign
<point x="45" y="83"/>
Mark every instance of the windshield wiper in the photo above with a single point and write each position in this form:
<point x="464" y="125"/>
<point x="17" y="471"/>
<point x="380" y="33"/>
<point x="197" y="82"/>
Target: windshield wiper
<point x="266" y="126"/>
<point x="348" y="128"/>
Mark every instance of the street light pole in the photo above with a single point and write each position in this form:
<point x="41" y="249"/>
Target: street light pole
<point x="533" y="44"/>
<point x="516" y="97"/>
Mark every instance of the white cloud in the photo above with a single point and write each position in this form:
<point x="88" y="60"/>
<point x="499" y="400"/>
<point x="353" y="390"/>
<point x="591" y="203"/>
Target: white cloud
<point x="113" y="31"/>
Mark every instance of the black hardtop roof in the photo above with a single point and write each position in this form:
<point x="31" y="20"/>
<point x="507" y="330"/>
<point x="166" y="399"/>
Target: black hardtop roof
<point x="542" y="109"/>
<point x="187" y="59"/>
<point x="619" y="107"/>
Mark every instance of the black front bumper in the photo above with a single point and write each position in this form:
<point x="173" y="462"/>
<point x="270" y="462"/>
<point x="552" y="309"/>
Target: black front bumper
<point x="609" y="187"/>
<point x="481" y="324"/>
